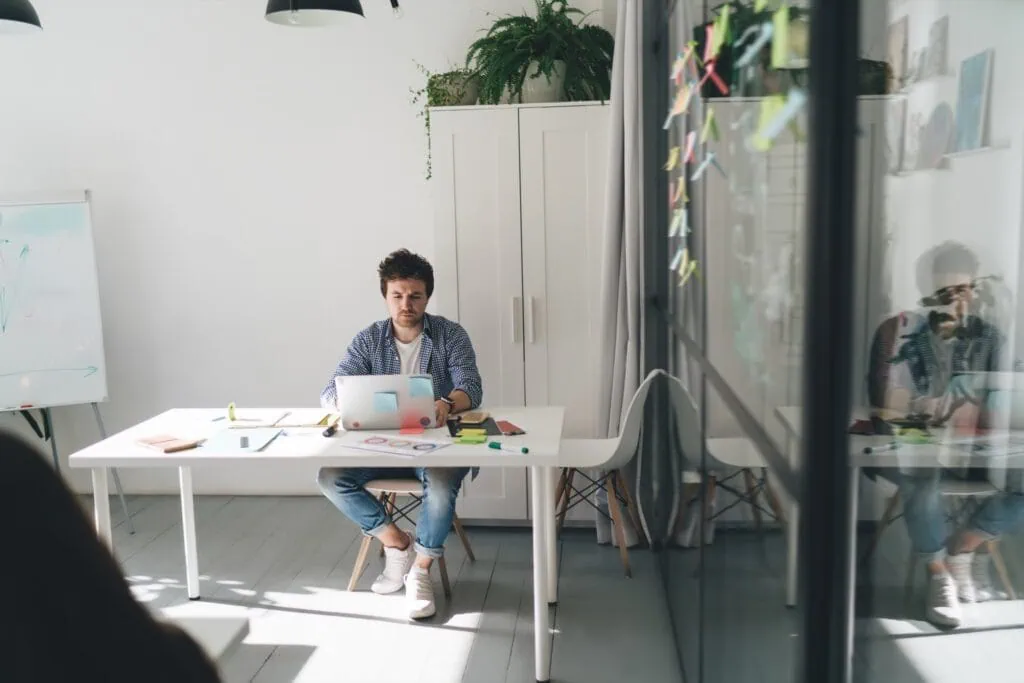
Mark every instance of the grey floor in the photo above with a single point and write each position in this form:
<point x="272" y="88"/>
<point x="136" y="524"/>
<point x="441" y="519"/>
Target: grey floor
<point x="747" y="635"/>
<point x="285" y="563"/>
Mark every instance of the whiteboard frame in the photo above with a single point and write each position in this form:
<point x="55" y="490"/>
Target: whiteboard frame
<point x="46" y="197"/>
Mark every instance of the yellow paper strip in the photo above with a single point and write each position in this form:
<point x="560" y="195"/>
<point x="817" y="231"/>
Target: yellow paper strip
<point x="710" y="127"/>
<point x="780" y="37"/>
<point x="673" y="159"/>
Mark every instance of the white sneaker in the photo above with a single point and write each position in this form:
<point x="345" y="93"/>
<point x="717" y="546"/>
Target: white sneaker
<point x="943" y="608"/>
<point x="983" y="588"/>
<point x="396" y="564"/>
<point x="419" y="593"/>
<point x="960" y="567"/>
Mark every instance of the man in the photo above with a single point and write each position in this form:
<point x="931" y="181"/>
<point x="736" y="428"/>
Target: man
<point x="916" y="360"/>
<point x="410" y="341"/>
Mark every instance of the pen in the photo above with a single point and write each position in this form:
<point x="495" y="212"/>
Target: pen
<point x="331" y="430"/>
<point x="507" y="449"/>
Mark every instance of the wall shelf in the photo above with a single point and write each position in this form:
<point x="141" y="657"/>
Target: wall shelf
<point x="994" y="147"/>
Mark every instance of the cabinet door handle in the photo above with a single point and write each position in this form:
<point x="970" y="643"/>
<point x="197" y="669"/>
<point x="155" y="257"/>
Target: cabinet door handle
<point x="517" y="316"/>
<point x="531" y="322"/>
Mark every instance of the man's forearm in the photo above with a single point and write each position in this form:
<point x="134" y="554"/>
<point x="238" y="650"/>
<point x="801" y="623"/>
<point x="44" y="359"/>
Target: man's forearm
<point x="460" y="401"/>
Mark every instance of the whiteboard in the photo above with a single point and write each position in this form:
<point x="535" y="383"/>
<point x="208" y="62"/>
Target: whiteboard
<point x="51" y="336"/>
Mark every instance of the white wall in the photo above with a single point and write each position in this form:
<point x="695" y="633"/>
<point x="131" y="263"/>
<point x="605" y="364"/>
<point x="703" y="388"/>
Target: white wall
<point x="246" y="179"/>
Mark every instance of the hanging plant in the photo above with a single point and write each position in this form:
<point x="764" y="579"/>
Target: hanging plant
<point x="555" y="44"/>
<point x="448" y="89"/>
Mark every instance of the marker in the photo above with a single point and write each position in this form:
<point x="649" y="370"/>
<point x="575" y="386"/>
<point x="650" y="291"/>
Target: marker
<point x="507" y="449"/>
<point x="331" y="430"/>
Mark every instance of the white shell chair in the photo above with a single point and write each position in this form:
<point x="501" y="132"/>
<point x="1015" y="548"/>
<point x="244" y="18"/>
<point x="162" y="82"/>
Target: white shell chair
<point x="608" y="455"/>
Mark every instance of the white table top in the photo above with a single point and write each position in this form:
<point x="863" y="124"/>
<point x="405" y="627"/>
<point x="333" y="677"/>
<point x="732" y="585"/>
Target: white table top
<point x="217" y="634"/>
<point x="543" y="427"/>
<point x="912" y="456"/>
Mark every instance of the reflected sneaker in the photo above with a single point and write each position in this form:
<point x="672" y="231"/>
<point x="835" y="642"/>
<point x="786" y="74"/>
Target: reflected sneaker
<point x="419" y="593"/>
<point x="983" y="588"/>
<point x="396" y="564"/>
<point x="960" y="566"/>
<point x="943" y="607"/>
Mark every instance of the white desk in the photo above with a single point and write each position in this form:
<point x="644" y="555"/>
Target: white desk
<point x="218" y="635"/>
<point x="308" y="449"/>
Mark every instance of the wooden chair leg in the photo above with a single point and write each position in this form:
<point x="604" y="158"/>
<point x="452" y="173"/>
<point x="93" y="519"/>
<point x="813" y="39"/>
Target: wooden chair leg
<point x="748" y="477"/>
<point x="887" y="518"/>
<point x="560" y="486"/>
<point x="634" y="511"/>
<point x="1000" y="564"/>
<point x="565" y="500"/>
<point x="709" y="497"/>
<point x="357" y="571"/>
<point x="443" y="568"/>
<point x="388" y="500"/>
<point x="773" y="500"/>
<point x="461" y="532"/>
<point x="616" y="513"/>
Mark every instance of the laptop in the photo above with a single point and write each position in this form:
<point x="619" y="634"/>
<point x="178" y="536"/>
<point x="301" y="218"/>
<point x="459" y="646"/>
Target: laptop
<point x="385" y="401"/>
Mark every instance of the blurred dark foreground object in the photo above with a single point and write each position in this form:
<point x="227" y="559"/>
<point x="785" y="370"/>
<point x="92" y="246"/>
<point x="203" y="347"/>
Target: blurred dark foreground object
<point x="67" y="612"/>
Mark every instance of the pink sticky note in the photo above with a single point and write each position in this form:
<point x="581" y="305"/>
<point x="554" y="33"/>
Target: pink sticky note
<point x="408" y="431"/>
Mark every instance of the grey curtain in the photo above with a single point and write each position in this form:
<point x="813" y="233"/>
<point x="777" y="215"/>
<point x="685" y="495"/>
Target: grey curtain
<point x="621" y="320"/>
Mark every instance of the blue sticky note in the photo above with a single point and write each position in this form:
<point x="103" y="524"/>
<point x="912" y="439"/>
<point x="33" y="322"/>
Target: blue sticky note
<point x="421" y="387"/>
<point x="385" y="402"/>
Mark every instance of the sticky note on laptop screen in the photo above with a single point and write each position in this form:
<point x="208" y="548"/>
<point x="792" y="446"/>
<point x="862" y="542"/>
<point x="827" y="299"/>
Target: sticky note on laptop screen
<point x="421" y="387"/>
<point x="385" y="402"/>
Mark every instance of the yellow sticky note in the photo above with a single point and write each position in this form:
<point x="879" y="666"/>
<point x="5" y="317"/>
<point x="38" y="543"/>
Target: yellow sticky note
<point x="770" y="108"/>
<point x="472" y="432"/>
<point x="760" y="5"/>
<point x="673" y="159"/>
<point x="780" y="37"/>
<point x="680" y="191"/>
<point x="682" y="100"/>
<point x="691" y="268"/>
<point x="721" y="31"/>
<point x="710" y="127"/>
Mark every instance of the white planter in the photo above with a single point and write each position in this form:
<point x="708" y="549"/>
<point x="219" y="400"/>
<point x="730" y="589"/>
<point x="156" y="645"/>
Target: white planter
<point x="538" y="90"/>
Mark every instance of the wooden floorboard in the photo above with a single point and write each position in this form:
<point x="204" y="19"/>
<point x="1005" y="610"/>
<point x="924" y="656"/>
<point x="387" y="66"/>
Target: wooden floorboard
<point x="285" y="562"/>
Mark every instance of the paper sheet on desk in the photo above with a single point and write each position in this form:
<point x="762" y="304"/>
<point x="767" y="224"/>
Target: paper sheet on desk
<point x="397" y="445"/>
<point x="242" y="441"/>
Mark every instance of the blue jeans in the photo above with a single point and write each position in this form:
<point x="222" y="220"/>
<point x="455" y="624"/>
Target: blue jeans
<point x="344" y="487"/>
<point x="926" y="520"/>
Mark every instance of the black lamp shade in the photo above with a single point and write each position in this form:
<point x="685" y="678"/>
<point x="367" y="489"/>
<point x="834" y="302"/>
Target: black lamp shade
<point x="309" y="12"/>
<point x="18" y="16"/>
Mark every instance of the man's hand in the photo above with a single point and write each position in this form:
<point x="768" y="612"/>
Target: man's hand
<point x="442" y="411"/>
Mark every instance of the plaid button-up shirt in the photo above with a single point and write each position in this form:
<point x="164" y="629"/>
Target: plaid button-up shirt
<point x="446" y="355"/>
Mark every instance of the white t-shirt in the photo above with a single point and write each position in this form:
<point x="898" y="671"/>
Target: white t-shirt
<point x="409" y="355"/>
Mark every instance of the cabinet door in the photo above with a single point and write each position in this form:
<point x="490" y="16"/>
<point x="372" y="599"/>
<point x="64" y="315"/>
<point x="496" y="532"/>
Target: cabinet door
<point x="563" y="159"/>
<point x="478" y="271"/>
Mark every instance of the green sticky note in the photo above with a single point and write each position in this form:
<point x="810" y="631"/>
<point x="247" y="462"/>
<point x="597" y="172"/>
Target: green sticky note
<point x="421" y="386"/>
<point x="780" y="37"/>
<point x="385" y="402"/>
<point x="471" y="440"/>
<point x="721" y="31"/>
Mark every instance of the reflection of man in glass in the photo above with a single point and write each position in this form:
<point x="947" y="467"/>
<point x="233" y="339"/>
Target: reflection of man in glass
<point x="916" y="360"/>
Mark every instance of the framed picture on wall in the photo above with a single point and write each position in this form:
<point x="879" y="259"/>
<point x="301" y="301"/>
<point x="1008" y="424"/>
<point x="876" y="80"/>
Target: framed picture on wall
<point x="897" y="51"/>
<point x="972" y="100"/>
<point x="895" y="121"/>
<point x="938" y="48"/>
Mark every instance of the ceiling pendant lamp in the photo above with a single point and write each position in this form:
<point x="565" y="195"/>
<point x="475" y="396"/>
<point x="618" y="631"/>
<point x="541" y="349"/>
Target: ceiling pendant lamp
<point x="309" y="12"/>
<point x="18" y="16"/>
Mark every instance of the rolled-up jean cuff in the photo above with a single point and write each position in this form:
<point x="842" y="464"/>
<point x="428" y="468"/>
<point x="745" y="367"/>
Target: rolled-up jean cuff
<point x="984" y="535"/>
<point x="937" y="556"/>
<point x="377" y="530"/>
<point x="435" y="553"/>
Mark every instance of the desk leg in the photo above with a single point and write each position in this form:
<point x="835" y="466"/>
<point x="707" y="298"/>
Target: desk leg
<point x="550" y="537"/>
<point x="540" y="509"/>
<point x="851" y="578"/>
<point x="101" y="504"/>
<point x="188" y="529"/>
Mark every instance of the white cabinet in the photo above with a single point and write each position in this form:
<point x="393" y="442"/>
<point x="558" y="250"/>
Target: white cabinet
<point x="519" y="210"/>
